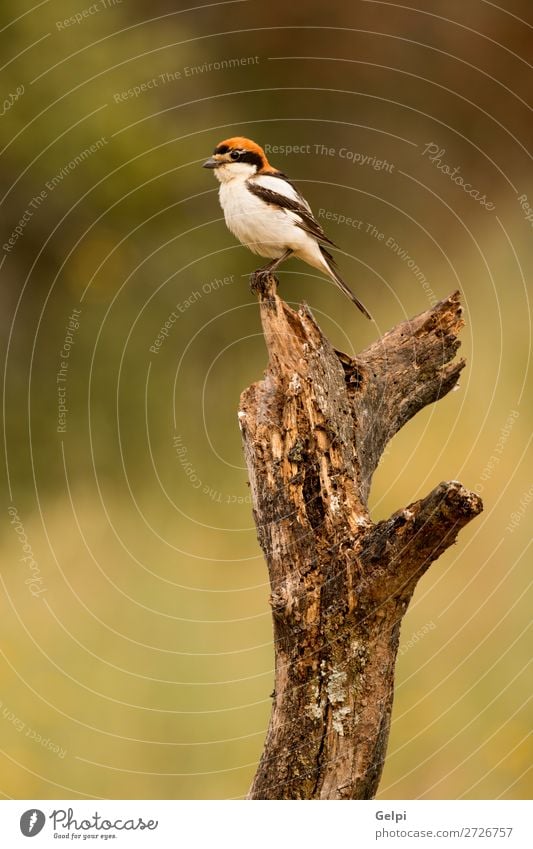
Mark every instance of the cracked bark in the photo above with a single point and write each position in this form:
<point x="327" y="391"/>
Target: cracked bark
<point x="314" y="430"/>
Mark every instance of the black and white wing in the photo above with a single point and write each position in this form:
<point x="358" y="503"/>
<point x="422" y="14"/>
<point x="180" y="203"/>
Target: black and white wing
<point x="277" y="190"/>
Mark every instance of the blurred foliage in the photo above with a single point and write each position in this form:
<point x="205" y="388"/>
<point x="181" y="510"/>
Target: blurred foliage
<point x="147" y="658"/>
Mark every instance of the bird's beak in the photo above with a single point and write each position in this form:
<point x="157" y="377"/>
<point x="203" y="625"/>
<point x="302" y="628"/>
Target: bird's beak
<point x="212" y="163"/>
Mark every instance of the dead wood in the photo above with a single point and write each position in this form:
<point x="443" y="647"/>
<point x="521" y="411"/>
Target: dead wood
<point x="314" y="430"/>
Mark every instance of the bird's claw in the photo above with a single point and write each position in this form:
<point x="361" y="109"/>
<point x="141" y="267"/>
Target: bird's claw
<point x="262" y="282"/>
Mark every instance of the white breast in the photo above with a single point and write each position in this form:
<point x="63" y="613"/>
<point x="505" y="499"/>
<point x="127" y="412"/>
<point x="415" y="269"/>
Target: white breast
<point x="263" y="228"/>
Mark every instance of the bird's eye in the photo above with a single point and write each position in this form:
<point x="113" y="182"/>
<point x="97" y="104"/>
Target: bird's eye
<point x="235" y="154"/>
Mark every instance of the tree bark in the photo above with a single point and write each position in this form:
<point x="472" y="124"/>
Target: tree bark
<point x="314" y="430"/>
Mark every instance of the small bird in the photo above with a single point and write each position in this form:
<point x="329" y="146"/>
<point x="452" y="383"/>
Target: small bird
<point x="266" y="212"/>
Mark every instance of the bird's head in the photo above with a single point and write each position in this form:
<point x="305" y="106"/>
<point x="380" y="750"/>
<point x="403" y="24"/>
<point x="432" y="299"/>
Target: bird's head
<point x="238" y="158"/>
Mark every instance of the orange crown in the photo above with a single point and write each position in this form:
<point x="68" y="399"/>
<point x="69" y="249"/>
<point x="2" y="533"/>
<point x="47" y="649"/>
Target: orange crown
<point x="242" y="143"/>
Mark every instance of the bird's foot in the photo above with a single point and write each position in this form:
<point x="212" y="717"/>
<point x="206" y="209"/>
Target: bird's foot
<point x="262" y="282"/>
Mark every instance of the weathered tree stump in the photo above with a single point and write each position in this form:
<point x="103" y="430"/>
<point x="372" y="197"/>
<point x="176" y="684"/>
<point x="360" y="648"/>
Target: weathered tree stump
<point x="314" y="429"/>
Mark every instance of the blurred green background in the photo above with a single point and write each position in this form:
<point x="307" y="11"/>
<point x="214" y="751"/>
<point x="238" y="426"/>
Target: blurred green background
<point x="136" y="646"/>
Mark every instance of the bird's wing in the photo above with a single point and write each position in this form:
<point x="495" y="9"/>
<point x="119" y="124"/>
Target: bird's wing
<point x="277" y="190"/>
<point x="279" y="183"/>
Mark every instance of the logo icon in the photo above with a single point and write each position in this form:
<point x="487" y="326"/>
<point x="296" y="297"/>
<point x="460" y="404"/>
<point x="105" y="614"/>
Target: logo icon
<point x="32" y="822"/>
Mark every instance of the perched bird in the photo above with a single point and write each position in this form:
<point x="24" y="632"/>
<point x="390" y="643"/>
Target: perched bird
<point x="267" y="213"/>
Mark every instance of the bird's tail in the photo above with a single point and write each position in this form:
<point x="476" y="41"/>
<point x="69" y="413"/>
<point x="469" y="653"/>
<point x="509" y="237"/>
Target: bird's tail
<point x="330" y="263"/>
